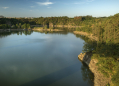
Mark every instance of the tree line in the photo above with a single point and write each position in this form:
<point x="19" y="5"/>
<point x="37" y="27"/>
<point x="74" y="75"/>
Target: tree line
<point x="64" y="20"/>
<point x="106" y="29"/>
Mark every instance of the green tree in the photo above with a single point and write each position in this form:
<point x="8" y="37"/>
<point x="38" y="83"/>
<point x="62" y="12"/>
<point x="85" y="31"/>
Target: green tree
<point x="28" y="26"/>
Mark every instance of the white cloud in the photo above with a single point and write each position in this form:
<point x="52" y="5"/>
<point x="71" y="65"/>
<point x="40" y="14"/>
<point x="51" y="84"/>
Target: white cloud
<point x="45" y="3"/>
<point x="5" y="7"/>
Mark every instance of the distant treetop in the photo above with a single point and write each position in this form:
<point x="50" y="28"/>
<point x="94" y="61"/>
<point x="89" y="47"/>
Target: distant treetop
<point x="1" y="16"/>
<point x="116" y="14"/>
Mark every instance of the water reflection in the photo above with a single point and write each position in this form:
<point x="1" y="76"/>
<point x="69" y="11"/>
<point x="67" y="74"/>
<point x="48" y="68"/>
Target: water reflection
<point x="29" y="32"/>
<point x="87" y="75"/>
<point x="89" y="44"/>
<point x="25" y="32"/>
<point x="54" y="32"/>
<point x="41" y="59"/>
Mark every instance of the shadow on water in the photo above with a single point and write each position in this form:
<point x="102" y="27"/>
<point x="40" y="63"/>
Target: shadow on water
<point x="53" y="77"/>
<point x="87" y="75"/>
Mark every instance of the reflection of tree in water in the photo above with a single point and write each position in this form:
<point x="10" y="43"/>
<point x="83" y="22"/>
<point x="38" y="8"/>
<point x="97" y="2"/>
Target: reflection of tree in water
<point x="53" y="32"/>
<point x="89" y="44"/>
<point x="64" y="32"/>
<point x="5" y="34"/>
<point x="88" y="47"/>
<point x="87" y="75"/>
<point x="27" y="32"/>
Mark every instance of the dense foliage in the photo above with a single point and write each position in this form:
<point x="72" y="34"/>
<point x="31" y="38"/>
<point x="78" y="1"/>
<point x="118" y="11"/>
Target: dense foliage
<point x="107" y="55"/>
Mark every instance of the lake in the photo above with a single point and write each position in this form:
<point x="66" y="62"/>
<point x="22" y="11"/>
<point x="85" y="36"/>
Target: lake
<point x="42" y="59"/>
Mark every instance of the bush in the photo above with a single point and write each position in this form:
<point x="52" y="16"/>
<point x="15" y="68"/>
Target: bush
<point x="28" y="26"/>
<point x="24" y="26"/>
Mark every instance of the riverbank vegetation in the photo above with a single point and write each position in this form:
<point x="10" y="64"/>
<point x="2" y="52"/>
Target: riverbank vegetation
<point x="106" y="49"/>
<point x="107" y="56"/>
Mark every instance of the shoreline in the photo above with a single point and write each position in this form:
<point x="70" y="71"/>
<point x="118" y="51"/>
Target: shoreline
<point x="46" y="30"/>
<point x="86" y="34"/>
<point x="99" y="78"/>
<point x="7" y="30"/>
<point x="68" y="26"/>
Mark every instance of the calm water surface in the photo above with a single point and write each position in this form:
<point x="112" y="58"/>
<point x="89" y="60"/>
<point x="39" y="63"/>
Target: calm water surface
<point x="41" y="59"/>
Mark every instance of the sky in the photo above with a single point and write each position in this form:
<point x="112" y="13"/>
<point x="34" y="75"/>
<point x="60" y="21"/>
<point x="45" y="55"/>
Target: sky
<point x="56" y="8"/>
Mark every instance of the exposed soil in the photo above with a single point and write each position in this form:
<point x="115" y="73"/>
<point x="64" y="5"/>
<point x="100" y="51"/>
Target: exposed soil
<point x="86" y="34"/>
<point x="69" y="26"/>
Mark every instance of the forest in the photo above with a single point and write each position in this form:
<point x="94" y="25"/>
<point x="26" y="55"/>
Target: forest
<point x="15" y="23"/>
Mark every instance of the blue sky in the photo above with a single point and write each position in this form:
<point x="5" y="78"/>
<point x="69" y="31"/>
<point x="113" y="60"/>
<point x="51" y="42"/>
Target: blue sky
<point x="48" y="8"/>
